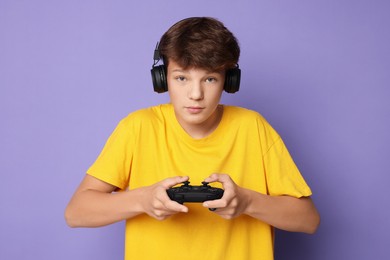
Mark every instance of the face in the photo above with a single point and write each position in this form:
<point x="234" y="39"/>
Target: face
<point x="195" y="95"/>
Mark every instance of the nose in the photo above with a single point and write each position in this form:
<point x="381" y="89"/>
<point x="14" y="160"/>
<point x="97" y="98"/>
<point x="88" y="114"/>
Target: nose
<point x="195" y="91"/>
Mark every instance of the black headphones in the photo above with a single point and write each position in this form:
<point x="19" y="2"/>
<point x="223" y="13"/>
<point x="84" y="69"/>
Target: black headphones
<point x="160" y="85"/>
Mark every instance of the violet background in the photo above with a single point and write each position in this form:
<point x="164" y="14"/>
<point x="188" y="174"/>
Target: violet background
<point x="317" y="70"/>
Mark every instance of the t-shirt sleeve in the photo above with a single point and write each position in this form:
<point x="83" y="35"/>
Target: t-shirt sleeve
<point x="283" y="176"/>
<point x="114" y="162"/>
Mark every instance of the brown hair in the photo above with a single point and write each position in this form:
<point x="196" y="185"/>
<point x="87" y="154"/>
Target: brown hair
<point x="201" y="42"/>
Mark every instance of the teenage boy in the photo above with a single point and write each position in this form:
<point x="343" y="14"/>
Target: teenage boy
<point x="195" y="138"/>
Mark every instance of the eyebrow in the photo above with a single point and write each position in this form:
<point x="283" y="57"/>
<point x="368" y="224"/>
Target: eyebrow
<point x="178" y="70"/>
<point x="186" y="71"/>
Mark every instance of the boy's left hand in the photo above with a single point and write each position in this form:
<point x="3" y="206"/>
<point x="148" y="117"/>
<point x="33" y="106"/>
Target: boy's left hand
<point x="235" y="199"/>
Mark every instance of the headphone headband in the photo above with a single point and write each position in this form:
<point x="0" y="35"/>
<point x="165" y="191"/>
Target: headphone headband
<point x="159" y="72"/>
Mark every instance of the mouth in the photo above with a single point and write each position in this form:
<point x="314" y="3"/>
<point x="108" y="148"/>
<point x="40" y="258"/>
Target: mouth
<point x="194" y="109"/>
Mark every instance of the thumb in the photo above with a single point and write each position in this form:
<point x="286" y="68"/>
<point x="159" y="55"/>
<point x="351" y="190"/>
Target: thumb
<point x="169" y="182"/>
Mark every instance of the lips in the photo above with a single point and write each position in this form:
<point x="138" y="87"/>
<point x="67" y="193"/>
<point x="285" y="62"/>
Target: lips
<point x="194" y="109"/>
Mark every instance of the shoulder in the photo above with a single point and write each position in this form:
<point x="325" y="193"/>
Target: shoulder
<point x="250" y="120"/>
<point x="142" y="120"/>
<point x="147" y="114"/>
<point x="241" y="114"/>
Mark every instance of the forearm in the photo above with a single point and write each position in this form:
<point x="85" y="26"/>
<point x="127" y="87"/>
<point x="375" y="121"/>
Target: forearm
<point x="283" y="212"/>
<point x="92" y="208"/>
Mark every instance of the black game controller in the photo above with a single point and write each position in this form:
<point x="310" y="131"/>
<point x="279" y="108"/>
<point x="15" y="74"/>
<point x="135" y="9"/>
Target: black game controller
<point x="189" y="193"/>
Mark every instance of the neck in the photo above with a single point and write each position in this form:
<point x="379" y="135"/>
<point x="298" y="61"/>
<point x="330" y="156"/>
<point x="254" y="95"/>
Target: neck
<point x="204" y="129"/>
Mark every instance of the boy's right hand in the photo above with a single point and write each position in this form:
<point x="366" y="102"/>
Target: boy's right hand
<point x="155" y="201"/>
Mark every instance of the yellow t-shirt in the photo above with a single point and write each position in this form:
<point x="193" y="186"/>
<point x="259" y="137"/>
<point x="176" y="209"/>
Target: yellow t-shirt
<point x="149" y="145"/>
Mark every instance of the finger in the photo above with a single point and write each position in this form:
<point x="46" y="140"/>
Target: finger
<point x="170" y="205"/>
<point x="214" y="204"/>
<point x="175" y="207"/>
<point x="165" y="207"/>
<point x="225" y="179"/>
<point x="169" y="182"/>
<point x="209" y="205"/>
<point x="212" y="178"/>
<point x="220" y="177"/>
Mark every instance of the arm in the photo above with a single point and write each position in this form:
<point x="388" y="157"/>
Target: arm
<point x="283" y="212"/>
<point x="96" y="204"/>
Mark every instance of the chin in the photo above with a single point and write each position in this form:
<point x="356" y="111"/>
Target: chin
<point x="194" y="120"/>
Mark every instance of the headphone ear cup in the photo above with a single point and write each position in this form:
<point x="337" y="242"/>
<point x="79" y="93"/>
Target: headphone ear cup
<point x="159" y="79"/>
<point x="232" y="80"/>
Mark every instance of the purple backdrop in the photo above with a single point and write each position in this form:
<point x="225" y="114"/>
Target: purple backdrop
<point x="317" y="70"/>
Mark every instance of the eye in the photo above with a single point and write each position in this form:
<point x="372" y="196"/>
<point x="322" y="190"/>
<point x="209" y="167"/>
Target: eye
<point x="180" y="78"/>
<point x="211" y="80"/>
